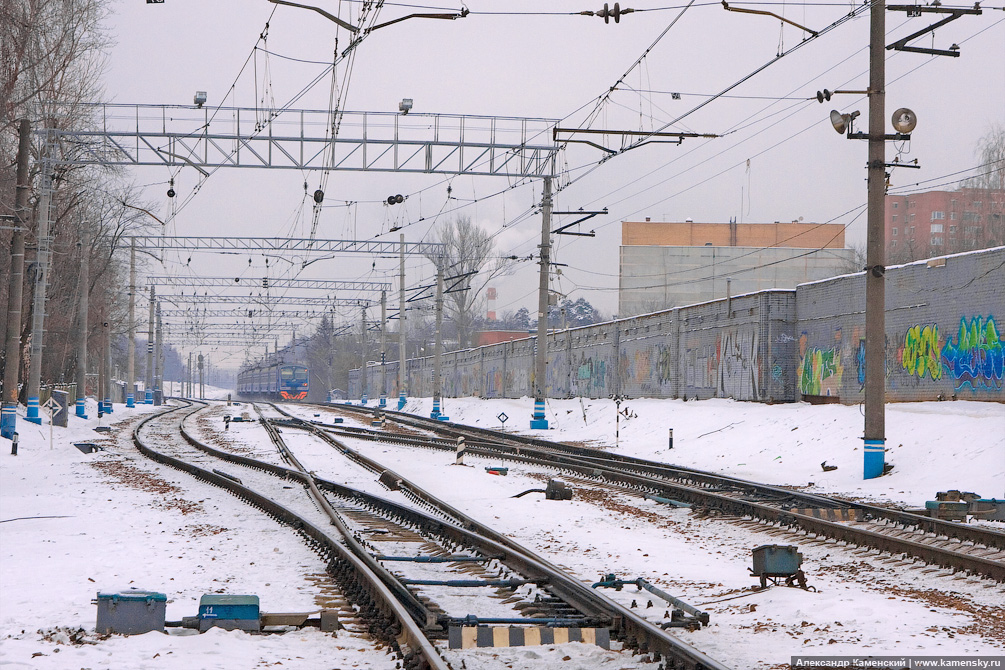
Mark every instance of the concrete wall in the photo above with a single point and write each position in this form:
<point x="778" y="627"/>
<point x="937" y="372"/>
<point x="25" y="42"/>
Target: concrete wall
<point x="943" y="329"/>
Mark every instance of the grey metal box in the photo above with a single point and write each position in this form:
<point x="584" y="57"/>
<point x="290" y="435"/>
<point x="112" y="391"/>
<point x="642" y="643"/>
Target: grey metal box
<point x="130" y="612"/>
<point x="777" y="560"/>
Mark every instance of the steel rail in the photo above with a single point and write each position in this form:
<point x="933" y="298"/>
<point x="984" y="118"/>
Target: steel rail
<point x="368" y="591"/>
<point x="596" y="468"/>
<point x="635" y="630"/>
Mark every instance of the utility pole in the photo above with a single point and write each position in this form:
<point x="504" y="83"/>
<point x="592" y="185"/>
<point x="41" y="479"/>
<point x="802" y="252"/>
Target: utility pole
<point x="15" y="293"/>
<point x="131" y="373"/>
<point x="41" y="279"/>
<point x="538" y="420"/>
<point x="149" y="391"/>
<point x="362" y="367"/>
<point x="188" y="374"/>
<point x="438" y="354"/>
<point x="875" y="288"/>
<point x="84" y="284"/>
<point x="99" y="392"/>
<point x="202" y="384"/>
<point x="402" y="374"/>
<point x="106" y="326"/>
<point x="158" y="362"/>
<point x="383" y="350"/>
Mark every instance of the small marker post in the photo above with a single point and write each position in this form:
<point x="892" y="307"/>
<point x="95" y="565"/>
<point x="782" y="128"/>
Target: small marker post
<point x="671" y="438"/>
<point x="13" y="444"/>
<point x="459" y="459"/>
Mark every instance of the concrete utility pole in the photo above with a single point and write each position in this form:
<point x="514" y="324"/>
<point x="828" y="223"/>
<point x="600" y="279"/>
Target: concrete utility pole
<point x="383" y="350"/>
<point x="131" y="373"/>
<point x="538" y="420"/>
<point x="148" y="394"/>
<point x="438" y="353"/>
<point x="99" y="392"/>
<point x="362" y="367"/>
<point x="402" y="374"/>
<point x="188" y="375"/>
<point x="83" y="285"/>
<point x="202" y="384"/>
<point x="158" y="361"/>
<point x="107" y="344"/>
<point x="875" y="288"/>
<point x="15" y="293"/>
<point x="41" y="280"/>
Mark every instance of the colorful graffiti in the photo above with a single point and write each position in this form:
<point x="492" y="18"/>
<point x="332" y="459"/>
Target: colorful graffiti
<point x="820" y="372"/>
<point x="920" y="355"/>
<point x="664" y="364"/>
<point x="977" y="358"/>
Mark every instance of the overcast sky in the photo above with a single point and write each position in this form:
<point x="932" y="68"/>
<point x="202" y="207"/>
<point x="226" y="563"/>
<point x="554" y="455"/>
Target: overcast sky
<point x="778" y="158"/>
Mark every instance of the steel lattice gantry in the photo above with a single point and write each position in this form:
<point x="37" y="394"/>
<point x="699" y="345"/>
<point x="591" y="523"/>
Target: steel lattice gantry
<point x="322" y="284"/>
<point x="196" y="313"/>
<point x="209" y="138"/>
<point x="296" y="246"/>
<point x="262" y="301"/>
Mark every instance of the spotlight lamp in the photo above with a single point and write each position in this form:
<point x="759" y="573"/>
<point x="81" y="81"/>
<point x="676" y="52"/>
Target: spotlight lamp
<point x="843" y="122"/>
<point x="904" y="120"/>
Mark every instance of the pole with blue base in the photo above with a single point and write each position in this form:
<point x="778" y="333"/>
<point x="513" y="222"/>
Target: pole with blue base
<point x="81" y="408"/>
<point x="402" y="401"/>
<point x="874" y="458"/>
<point x="538" y="420"/>
<point x="33" y="416"/>
<point x="8" y="421"/>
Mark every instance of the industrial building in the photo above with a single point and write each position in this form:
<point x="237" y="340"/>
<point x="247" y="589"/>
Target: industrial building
<point x="671" y="264"/>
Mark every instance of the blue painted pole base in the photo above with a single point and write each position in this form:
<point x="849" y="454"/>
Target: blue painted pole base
<point x="33" y="416"/>
<point x="130" y="401"/>
<point x="8" y="421"/>
<point x="148" y="398"/>
<point x="874" y="458"/>
<point x="538" y="420"/>
<point x="401" y="401"/>
<point x="383" y="401"/>
<point x="108" y="405"/>
<point x="81" y="409"/>
<point x="363" y="400"/>
<point x="435" y="414"/>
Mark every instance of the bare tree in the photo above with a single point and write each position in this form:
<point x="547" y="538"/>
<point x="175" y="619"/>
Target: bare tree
<point x="991" y="158"/>
<point x="468" y="257"/>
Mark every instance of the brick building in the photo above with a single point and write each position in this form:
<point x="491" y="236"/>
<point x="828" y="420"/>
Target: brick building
<point x="933" y="223"/>
<point x="670" y="264"/>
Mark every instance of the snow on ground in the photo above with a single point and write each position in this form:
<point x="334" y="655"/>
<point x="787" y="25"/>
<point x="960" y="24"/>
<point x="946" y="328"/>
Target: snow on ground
<point x="122" y="520"/>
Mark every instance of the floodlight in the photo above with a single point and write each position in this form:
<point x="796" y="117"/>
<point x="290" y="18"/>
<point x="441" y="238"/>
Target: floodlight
<point x="842" y="122"/>
<point x="904" y="120"/>
<point x="405" y="105"/>
<point x="200" y="98"/>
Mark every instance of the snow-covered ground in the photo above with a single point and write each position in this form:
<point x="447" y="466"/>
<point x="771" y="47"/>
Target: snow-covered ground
<point x="72" y="524"/>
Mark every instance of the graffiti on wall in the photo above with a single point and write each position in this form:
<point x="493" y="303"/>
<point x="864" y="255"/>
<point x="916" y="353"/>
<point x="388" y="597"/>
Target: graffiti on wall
<point x="976" y="359"/>
<point x="920" y="354"/>
<point x="737" y="368"/>
<point x="820" y="370"/>
<point x="590" y="375"/>
<point x="664" y="364"/>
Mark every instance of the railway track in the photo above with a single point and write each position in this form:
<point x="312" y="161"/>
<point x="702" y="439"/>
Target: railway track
<point x="958" y="547"/>
<point x="422" y="575"/>
<point x="372" y="607"/>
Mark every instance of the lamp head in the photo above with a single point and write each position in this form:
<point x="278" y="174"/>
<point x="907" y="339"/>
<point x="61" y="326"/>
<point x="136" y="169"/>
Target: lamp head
<point x="904" y="120"/>
<point x="842" y="122"/>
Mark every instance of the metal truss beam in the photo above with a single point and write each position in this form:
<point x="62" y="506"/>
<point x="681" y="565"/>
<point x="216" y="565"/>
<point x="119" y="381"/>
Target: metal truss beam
<point x="235" y="137"/>
<point x="258" y="313"/>
<point x="321" y="284"/>
<point x="261" y="301"/>
<point x="245" y="328"/>
<point x="299" y="246"/>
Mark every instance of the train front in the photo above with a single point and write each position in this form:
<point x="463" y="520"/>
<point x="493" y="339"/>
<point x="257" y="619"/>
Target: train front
<point x="293" y="382"/>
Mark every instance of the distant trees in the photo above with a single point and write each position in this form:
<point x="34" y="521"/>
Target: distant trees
<point x="468" y="251"/>
<point x="573" y="314"/>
